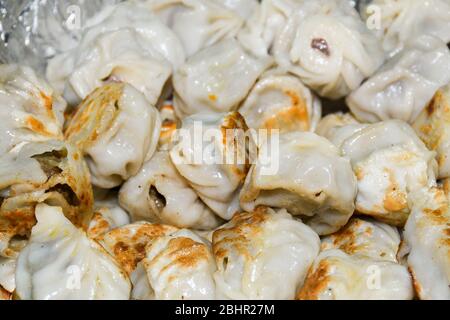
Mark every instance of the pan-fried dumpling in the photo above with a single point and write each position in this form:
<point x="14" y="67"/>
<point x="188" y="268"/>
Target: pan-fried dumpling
<point x="402" y="88"/>
<point x="7" y="274"/>
<point x="281" y="101"/>
<point x="359" y="262"/>
<point x="51" y="172"/>
<point x="433" y="127"/>
<point x="117" y="129"/>
<point x="390" y="162"/>
<point x="4" y="294"/>
<point x="404" y="20"/>
<point x="158" y="193"/>
<point x="327" y="45"/>
<point x="244" y="8"/>
<point x="127" y="243"/>
<point x="427" y="238"/>
<point x="216" y="79"/>
<point x="218" y="168"/>
<point x="124" y="43"/>
<point x="61" y="262"/>
<point x="108" y="215"/>
<point x="180" y="266"/>
<point x="29" y="108"/>
<point x="305" y="174"/>
<point x="169" y="124"/>
<point x="197" y="23"/>
<point x="263" y="255"/>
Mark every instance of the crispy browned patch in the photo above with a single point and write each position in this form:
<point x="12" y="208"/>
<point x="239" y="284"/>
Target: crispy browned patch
<point x="346" y="239"/>
<point x="101" y="226"/>
<point x="212" y="97"/>
<point x="359" y="173"/>
<point x="432" y="106"/>
<point x="394" y="199"/>
<point x="128" y="246"/>
<point x="5" y="295"/>
<point x="294" y="117"/>
<point x="186" y="252"/>
<point x="316" y="282"/>
<point x="37" y="126"/>
<point x="417" y="287"/>
<point x="47" y="101"/>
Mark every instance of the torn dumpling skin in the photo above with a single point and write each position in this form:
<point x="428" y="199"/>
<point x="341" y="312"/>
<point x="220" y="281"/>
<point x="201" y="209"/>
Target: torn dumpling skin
<point x="123" y="42"/>
<point x="307" y="176"/>
<point x="359" y="262"/>
<point x="53" y="172"/>
<point x="61" y="262"/>
<point x="390" y="162"/>
<point x="117" y="129"/>
<point x="405" y="84"/>
<point x="329" y="47"/>
<point x="158" y="193"/>
<point x="216" y="79"/>
<point x="427" y="237"/>
<point x="218" y="169"/>
<point x="264" y="254"/>
<point x="433" y="127"/>
<point x="30" y="110"/>
<point x="281" y="101"/>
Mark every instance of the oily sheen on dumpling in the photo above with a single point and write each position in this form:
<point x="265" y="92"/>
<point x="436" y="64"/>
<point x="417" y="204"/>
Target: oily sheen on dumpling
<point x="403" y="86"/>
<point x="123" y="43"/>
<point x="117" y="129"/>
<point x="390" y="162"/>
<point x="433" y="127"/>
<point x="305" y="174"/>
<point x="159" y="193"/>
<point x="52" y="172"/>
<point x="327" y="45"/>
<point x="30" y="110"/>
<point x="428" y="244"/>
<point x="359" y="262"/>
<point x="61" y="262"/>
<point x="216" y="79"/>
<point x="404" y="20"/>
<point x="218" y="168"/>
<point x="197" y="23"/>
<point x="281" y="101"/>
<point x="264" y="254"/>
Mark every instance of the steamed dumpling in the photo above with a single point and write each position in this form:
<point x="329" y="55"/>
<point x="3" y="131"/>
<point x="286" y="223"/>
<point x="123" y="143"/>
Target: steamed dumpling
<point x="433" y="127"/>
<point x="197" y="23"/>
<point x="52" y="172"/>
<point x="180" y="266"/>
<point x="404" y="20"/>
<point x="305" y="174"/>
<point x="327" y="45"/>
<point x="117" y="129"/>
<point x="427" y="238"/>
<point x="124" y="43"/>
<point x="281" y="101"/>
<point x="219" y="167"/>
<point x="337" y="127"/>
<point x="390" y="162"/>
<point x="263" y="255"/>
<point x="30" y="110"/>
<point x="7" y="274"/>
<point x="61" y="262"/>
<point x="402" y="88"/>
<point x="359" y="262"/>
<point x="158" y="193"/>
<point x="216" y="79"/>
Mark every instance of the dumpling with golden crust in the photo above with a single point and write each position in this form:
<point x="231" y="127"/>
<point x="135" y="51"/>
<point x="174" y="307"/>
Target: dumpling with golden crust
<point x="359" y="262"/>
<point x="305" y="174"/>
<point x="433" y="127"/>
<point x="52" y="172"/>
<point x="427" y="238"/>
<point x="264" y="254"/>
<point x="117" y="129"/>
<point x="390" y="162"/>
<point x="281" y="101"/>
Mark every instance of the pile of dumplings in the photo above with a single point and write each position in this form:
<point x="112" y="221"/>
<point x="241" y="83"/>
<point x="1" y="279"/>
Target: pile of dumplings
<point x="97" y="202"/>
